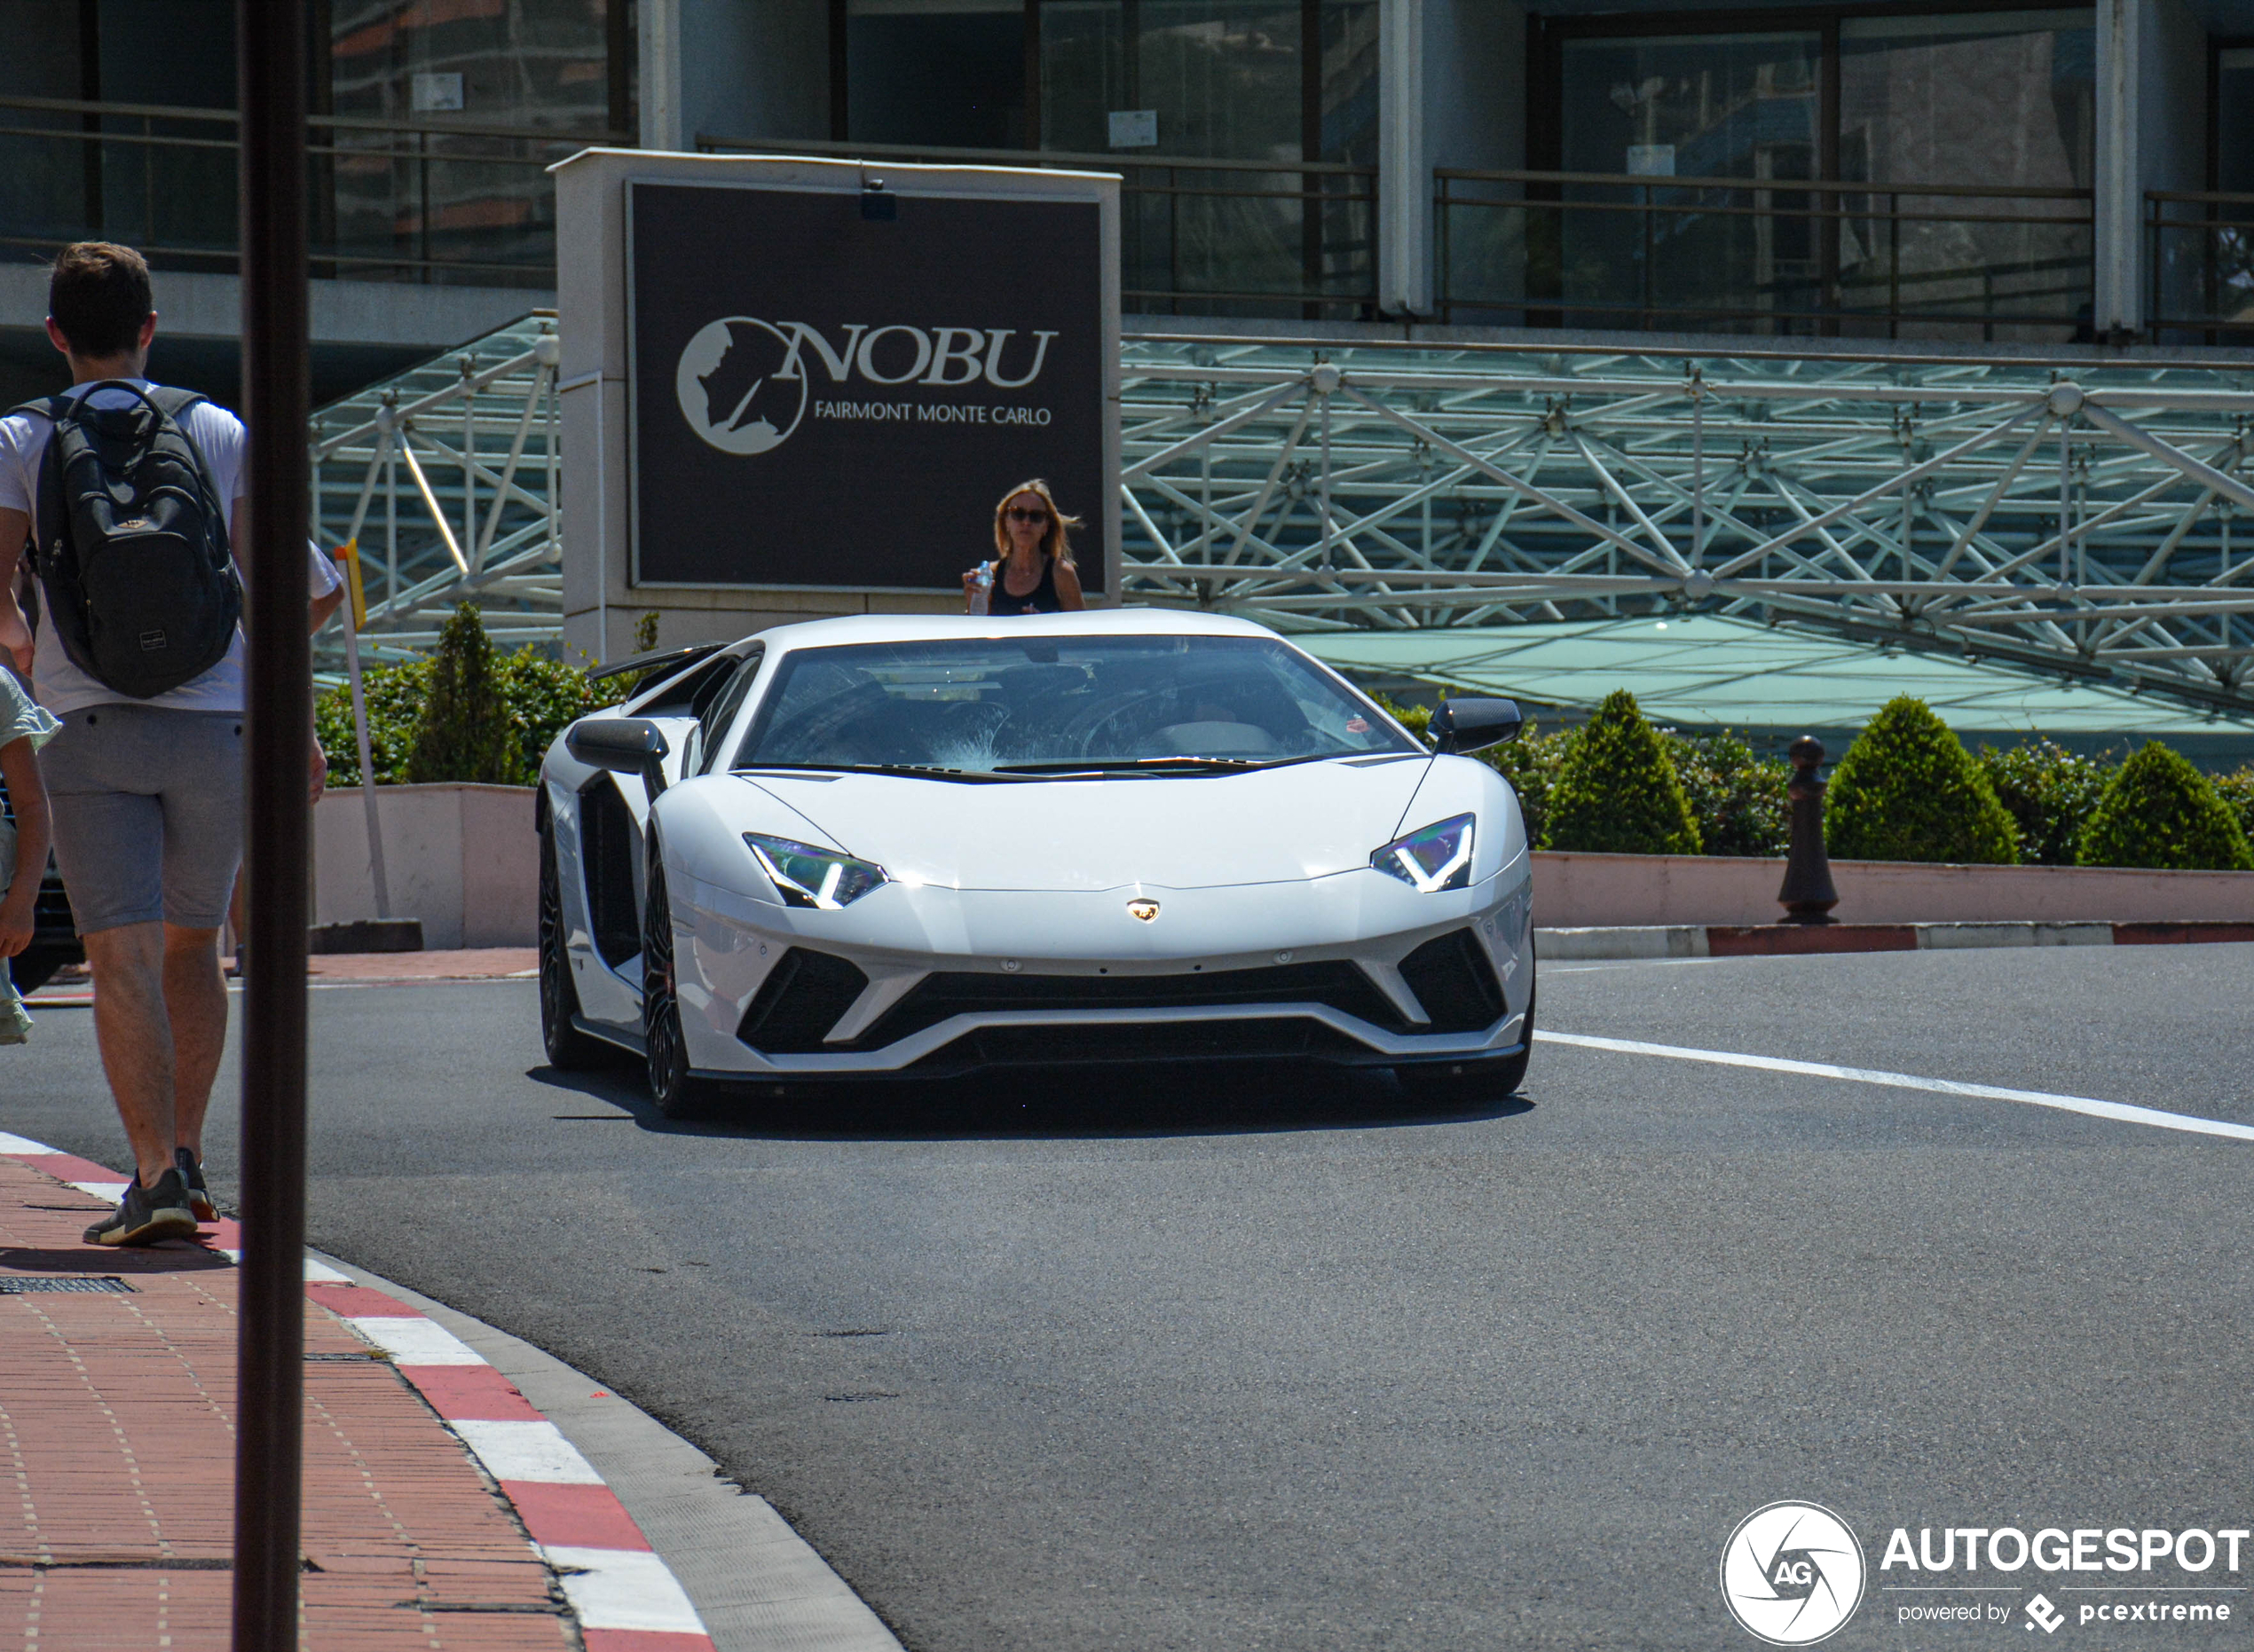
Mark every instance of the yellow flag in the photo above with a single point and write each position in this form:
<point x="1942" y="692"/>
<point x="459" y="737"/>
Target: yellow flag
<point x="347" y="556"/>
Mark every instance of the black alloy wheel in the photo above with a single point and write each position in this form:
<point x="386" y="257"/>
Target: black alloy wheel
<point x="568" y="1050"/>
<point x="678" y="1093"/>
<point x="35" y="966"/>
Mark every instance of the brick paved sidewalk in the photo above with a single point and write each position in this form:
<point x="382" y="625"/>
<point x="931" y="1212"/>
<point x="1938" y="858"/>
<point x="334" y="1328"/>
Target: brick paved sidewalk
<point x="359" y="969"/>
<point x="117" y="1462"/>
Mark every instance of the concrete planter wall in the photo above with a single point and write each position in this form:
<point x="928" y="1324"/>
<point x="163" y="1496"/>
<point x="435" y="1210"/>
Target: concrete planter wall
<point x="1576" y="890"/>
<point x="463" y="858"/>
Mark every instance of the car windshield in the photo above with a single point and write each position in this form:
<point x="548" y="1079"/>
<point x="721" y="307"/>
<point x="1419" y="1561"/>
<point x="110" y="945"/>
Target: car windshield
<point x="997" y="705"/>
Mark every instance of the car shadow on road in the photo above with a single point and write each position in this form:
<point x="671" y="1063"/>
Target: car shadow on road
<point x="1159" y="1101"/>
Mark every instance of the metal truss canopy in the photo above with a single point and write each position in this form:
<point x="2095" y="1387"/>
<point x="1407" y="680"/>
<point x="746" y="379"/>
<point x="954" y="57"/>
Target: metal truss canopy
<point x="2073" y="516"/>
<point x="446" y="476"/>
<point x="2078" y="516"/>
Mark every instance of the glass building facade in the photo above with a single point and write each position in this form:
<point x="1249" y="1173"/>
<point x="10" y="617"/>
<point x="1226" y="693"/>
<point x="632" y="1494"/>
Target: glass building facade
<point x="1283" y="97"/>
<point x="433" y="119"/>
<point x="1902" y="169"/>
<point x="1957" y="149"/>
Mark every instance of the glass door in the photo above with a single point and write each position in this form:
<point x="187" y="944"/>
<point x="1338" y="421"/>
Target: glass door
<point x="1155" y="85"/>
<point x="2001" y="104"/>
<point x="1689" y="136"/>
<point x="949" y="74"/>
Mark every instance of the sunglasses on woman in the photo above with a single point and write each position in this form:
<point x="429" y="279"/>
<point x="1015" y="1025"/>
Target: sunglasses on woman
<point x="1017" y="515"/>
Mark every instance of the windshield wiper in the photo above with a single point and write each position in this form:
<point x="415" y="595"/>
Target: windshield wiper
<point x="1149" y="765"/>
<point x="910" y="771"/>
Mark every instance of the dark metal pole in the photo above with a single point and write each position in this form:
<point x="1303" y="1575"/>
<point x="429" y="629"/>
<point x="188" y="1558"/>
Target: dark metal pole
<point x="269" y="1395"/>
<point x="1807" y="895"/>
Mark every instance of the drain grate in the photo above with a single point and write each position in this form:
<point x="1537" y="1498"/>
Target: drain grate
<point x="109" y="1286"/>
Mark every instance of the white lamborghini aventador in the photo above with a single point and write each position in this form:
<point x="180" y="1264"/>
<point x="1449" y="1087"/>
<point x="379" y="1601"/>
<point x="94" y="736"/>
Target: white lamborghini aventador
<point x="876" y="847"/>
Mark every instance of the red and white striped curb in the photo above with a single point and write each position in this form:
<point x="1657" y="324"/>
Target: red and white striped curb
<point x="624" y="1595"/>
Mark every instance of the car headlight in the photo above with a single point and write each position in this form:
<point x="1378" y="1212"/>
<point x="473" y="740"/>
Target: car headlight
<point x="807" y="876"/>
<point x="1438" y="857"/>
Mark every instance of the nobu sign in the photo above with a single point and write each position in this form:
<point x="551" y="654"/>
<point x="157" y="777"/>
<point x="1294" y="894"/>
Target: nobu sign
<point x="827" y="397"/>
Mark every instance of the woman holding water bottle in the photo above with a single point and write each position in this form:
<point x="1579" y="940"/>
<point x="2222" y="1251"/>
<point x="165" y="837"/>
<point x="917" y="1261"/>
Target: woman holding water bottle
<point x="1032" y="572"/>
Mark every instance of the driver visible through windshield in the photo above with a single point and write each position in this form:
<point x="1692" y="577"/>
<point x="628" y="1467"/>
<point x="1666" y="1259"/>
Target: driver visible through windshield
<point x="998" y="706"/>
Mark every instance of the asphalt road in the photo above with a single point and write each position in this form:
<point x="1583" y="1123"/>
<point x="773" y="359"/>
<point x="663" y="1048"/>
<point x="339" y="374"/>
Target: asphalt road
<point x="1206" y="1365"/>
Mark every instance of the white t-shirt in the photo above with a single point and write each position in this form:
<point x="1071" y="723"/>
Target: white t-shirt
<point x="61" y="686"/>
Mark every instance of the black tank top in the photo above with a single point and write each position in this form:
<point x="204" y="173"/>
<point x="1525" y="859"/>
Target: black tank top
<point x="1040" y="600"/>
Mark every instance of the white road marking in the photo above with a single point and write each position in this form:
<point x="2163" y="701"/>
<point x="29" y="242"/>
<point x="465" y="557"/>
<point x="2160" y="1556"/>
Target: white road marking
<point x="15" y="1145"/>
<point x="109" y="1192"/>
<point x="623" y="1589"/>
<point x="525" y="1451"/>
<point x="1626" y="964"/>
<point x="2120" y="1111"/>
<point x="415" y="1341"/>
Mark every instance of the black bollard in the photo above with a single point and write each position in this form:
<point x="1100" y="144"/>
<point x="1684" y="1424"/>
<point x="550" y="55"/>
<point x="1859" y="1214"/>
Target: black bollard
<point x="1807" y="895"/>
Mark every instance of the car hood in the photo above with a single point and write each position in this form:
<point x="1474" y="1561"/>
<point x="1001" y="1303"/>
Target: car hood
<point x="1178" y="831"/>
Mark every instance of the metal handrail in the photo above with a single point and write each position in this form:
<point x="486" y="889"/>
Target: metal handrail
<point x="160" y="140"/>
<point x="1316" y="187"/>
<point x="2206" y="268"/>
<point x="1100" y="162"/>
<point x="360" y="123"/>
<point x="416" y="154"/>
<point x="1796" y="185"/>
<point x="322" y="255"/>
<point x="1821" y="298"/>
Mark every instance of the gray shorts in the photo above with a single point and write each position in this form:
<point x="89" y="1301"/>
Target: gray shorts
<point x="149" y="814"/>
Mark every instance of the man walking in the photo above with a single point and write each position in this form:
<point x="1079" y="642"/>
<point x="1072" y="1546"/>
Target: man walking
<point x="146" y="778"/>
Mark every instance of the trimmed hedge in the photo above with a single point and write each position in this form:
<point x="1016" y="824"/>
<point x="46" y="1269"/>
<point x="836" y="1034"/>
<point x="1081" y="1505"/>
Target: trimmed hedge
<point x="1616" y="791"/>
<point x="531" y="697"/>
<point x="1907" y="789"/>
<point x="2160" y="812"/>
<point x="2049" y="792"/>
<point x="2237" y="792"/>
<point x="396" y="694"/>
<point x="1736" y="797"/>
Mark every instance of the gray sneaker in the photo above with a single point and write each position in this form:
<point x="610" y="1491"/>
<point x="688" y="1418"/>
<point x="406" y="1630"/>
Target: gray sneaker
<point x="191" y="1169"/>
<point x="146" y="1214"/>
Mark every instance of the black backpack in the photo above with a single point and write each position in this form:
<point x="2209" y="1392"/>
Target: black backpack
<point x="132" y="544"/>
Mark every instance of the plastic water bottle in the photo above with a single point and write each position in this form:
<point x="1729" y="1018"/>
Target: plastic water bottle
<point x="982" y="589"/>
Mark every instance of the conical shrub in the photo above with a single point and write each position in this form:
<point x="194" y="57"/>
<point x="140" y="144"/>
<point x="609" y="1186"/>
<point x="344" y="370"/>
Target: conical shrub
<point x="1616" y="790"/>
<point x="1907" y="789"/>
<point x="2160" y="812"/>
<point x="467" y="731"/>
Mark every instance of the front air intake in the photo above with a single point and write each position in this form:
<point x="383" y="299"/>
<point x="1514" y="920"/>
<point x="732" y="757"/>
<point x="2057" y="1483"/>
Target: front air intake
<point x="1453" y="979"/>
<point x="804" y="995"/>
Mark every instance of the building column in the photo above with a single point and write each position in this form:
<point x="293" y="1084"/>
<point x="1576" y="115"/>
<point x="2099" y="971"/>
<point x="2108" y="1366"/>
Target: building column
<point x="660" y="68"/>
<point x="2117" y="204"/>
<point x="1403" y="173"/>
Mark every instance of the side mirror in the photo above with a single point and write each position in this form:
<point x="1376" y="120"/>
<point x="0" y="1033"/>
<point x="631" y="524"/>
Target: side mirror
<point x="1465" y="726"/>
<point x="624" y="746"/>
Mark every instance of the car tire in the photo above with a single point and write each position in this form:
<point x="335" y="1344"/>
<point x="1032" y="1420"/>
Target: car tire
<point x="679" y="1093"/>
<point x="568" y="1050"/>
<point x="34" y="966"/>
<point x="1491" y="1078"/>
